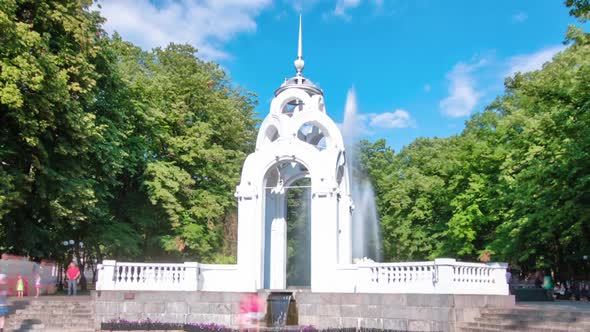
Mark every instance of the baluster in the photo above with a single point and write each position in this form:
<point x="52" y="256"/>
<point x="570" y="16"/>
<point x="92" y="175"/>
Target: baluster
<point x="125" y="272"/>
<point x="140" y="270"/>
<point x="149" y="275"/>
<point x="388" y="269"/>
<point x="117" y="274"/>
<point x="164" y="275"/>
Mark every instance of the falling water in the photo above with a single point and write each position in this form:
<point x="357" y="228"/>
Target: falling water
<point x="366" y="241"/>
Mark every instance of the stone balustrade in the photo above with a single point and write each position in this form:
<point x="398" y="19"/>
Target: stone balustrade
<point x="441" y="276"/>
<point x="113" y="275"/>
<point x="397" y="277"/>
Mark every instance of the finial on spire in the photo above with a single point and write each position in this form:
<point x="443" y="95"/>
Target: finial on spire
<point x="299" y="62"/>
<point x="300" y="45"/>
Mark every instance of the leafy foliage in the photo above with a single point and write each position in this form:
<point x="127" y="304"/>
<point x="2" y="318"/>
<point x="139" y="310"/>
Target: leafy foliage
<point x="515" y="183"/>
<point x="135" y="153"/>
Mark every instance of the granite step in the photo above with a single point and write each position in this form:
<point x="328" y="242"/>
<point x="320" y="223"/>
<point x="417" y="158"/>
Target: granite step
<point x="525" y="326"/>
<point x="583" y="319"/>
<point x="62" y="314"/>
<point x="540" y="319"/>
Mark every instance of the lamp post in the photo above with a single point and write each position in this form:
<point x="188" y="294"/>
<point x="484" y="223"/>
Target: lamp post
<point x="70" y="245"/>
<point x="585" y="259"/>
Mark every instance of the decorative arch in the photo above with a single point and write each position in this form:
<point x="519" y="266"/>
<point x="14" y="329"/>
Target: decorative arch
<point x="312" y="133"/>
<point x="327" y="127"/>
<point x="271" y="129"/>
<point x="290" y="97"/>
<point x="271" y="134"/>
<point x="318" y="102"/>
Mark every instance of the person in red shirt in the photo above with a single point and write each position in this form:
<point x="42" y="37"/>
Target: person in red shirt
<point x="251" y="312"/>
<point x="73" y="274"/>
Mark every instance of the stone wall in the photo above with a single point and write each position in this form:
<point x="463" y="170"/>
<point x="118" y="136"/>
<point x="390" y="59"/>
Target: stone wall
<point x="170" y="306"/>
<point x="412" y="312"/>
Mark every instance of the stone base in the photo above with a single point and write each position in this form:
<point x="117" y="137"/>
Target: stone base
<point x="411" y="312"/>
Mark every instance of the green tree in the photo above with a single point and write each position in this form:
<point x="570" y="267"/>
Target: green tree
<point x="514" y="183"/>
<point x="48" y="130"/>
<point x="135" y="153"/>
<point x="192" y="134"/>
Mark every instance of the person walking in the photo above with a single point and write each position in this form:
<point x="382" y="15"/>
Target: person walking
<point x="251" y="314"/>
<point x="37" y="284"/>
<point x="20" y="286"/>
<point x="73" y="274"/>
<point x="3" y="302"/>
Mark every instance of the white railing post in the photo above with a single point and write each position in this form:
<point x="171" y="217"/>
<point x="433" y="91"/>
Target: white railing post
<point x="444" y="276"/>
<point x="191" y="276"/>
<point x="365" y="281"/>
<point x="106" y="275"/>
<point x="499" y="277"/>
<point x="99" y="276"/>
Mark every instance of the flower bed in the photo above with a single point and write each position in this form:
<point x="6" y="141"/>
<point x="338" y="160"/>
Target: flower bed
<point x="150" y="325"/>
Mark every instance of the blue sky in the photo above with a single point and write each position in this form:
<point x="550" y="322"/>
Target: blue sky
<point x="419" y="68"/>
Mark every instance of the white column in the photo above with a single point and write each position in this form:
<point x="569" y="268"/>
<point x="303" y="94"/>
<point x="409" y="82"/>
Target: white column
<point x="278" y="239"/>
<point x="324" y="234"/>
<point x="191" y="276"/>
<point x="344" y="232"/>
<point x="500" y="285"/>
<point x="444" y="284"/>
<point x="248" y="224"/>
<point x="106" y="275"/>
<point x="278" y="254"/>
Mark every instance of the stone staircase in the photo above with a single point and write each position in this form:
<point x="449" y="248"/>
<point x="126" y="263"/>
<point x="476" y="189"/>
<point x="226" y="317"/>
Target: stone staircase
<point x="541" y="319"/>
<point x="51" y="314"/>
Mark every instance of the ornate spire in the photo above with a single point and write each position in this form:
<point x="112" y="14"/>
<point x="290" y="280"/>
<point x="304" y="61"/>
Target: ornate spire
<point x="298" y="81"/>
<point x="299" y="62"/>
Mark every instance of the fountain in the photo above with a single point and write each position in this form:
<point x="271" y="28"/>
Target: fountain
<point x="366" y="241"/>
<point x="280" y="309"/>
<point x="300" y="146"/>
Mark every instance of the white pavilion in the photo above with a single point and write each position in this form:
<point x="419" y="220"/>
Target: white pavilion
<point x="298" y="140"/>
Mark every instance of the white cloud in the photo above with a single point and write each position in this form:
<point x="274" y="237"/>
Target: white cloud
<point x="473" y="82"/>
<point x="302" y="5"/>
<point x="344" y="8"/>
<point x="378" y="3"/>
<point x="343" y="5"/>
<point x="463" y="95"/>
<point x="396" y="119"/>
<point x="534" y="61"/>
<point x="519" y="17"/>
<point x="207" y="24"/>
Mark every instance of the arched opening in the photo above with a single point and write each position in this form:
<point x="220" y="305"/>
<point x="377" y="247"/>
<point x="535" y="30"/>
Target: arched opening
<point x="292" y="106"/>
<point x="287" y="214"/>
<point x="271" y="134"/>
<point x="312" y="134"/>
<point x="299" y="234"/>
